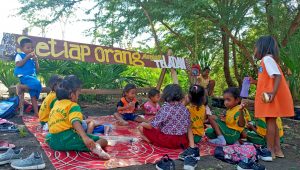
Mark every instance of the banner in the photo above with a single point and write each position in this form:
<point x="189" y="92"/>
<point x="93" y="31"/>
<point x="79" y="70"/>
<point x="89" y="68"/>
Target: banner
<point x="52" y="49"/>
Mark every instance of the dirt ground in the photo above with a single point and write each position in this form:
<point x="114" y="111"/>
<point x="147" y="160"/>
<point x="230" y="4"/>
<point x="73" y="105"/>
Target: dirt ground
<point x="290" y="147"/>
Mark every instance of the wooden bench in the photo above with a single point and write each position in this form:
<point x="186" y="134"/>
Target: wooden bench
<point x="13" y="91"/>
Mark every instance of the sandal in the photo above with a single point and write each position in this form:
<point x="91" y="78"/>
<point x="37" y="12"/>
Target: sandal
<point x="5" y="145"/>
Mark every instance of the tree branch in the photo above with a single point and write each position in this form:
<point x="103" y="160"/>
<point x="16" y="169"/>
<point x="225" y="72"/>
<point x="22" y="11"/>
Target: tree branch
<point x="240" y="45"/>
<point x="157" y="43"/>
<point x="293" y="28"/>
<point x="189" y="47"/>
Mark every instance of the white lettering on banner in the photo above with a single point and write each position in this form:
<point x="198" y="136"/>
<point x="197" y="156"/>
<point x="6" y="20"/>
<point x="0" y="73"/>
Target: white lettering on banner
<point x="174" y="62"/>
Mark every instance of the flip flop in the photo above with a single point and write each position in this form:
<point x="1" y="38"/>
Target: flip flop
<point x="280" y="155"/>
<point x="5" y="145"/>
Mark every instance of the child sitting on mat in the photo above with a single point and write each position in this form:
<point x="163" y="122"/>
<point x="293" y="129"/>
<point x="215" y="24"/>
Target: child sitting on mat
<point x="228" y="128"/>
<point x="65" y="128"/>
<point x="26" y="66"/>
<point x="127" y="106"/>
<point x="152" y="106"/>
<point x="91" y="126"/>
<point x="197" y="110"/>
<point x="49" y="101"/>
<point x="170" y="125"/>
<point x="258" y="130"/>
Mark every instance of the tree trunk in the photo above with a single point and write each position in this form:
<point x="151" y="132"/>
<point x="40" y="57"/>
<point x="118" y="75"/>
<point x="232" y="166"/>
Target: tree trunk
<point x="157" y="43"/>
<point x="241" y="46"/>
<point x="225" y="43"/>
<point x="235" y="66"/>
<point x="270" y="17"/>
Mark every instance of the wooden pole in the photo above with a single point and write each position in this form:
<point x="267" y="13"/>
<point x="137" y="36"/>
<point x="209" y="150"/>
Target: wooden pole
<point x="161" y="78"/>
<point x="174" y="76"/>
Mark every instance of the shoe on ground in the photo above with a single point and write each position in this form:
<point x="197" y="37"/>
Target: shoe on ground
<point x="34" y="161"/>
<point x="264" y="154"/>
<point x="251" y="165"/>
<point x="165" y="163"/>
<point x="190" y="163"/>
<point x="195" y="152"/>
<point x="10" y="155"/>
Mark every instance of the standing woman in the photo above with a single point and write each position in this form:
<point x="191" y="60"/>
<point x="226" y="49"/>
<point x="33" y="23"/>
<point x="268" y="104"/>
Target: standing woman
<point x="273" y="97"/>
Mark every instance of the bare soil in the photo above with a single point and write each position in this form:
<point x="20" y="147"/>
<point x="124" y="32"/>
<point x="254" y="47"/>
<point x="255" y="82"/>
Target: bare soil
<point x="290" y="147"/>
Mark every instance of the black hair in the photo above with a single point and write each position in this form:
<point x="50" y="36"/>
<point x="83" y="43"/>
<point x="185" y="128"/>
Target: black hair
<point x="153" y="92"/>
<point x="54" y="82"/>
<point x="25" y="41"/>
<point x="127" y="88"/>
<point x="172" y="93"/>
<point x="197" y="94"/>
<point x="234" y="91"/>
<point x="267" y="45"/>
<point x="69" y="85"/>
<point x="206" y="68"/>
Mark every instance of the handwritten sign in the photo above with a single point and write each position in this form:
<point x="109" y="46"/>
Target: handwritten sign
<point x="48" y="48"/>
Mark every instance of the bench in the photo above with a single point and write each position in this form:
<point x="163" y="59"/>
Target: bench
<point x="13" y="91"/>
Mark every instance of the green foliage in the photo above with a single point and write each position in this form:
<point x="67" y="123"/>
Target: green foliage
<point x="22" y="131"/>
<point x="290" y="55"/>
<point x="7" y="73"/>
<point x="92" y="75"/>
<point x="193" y="29"/>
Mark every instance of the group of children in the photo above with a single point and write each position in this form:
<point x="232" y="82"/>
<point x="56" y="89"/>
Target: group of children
<point x="180" y="122"/>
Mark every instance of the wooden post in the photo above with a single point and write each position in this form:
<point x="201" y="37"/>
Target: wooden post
<point x="161" y="78"/>
<point x="174" y="76"/>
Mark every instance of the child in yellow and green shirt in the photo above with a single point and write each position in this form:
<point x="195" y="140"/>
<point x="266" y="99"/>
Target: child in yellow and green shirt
<point x="257" y="132"/>
<point x="197" y="111"/>
<point x="49" y="101"/>
<point x="65" y="122"/>
<point x="228" y="129"/>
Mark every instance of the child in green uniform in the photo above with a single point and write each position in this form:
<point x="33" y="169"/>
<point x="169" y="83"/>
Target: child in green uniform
<point x="65" y="129"/>
<point x="257" y="132"/>
<point x="228" y="128"/>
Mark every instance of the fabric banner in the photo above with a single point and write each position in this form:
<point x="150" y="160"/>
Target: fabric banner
<point x="52" y="49"/>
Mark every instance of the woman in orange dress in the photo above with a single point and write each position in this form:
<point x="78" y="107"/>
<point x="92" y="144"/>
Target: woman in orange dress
<point x="271" y="81"/>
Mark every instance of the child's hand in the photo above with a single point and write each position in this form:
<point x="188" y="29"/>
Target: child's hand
<point x="131" y="104"/>
<point x="30" y="55"/>
<point x="223" y="117"/>
<point x="243" y="105"/>
<point x="270" y="97"/>
<point x="34" y="57"/>
<point x="252" y="81"/>
<point x="89" y="143"/>
<point x="250" y="126"/>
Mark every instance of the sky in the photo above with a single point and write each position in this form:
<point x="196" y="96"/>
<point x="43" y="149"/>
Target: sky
<point x="11" y="23"/>
<point x="15" y="24"/>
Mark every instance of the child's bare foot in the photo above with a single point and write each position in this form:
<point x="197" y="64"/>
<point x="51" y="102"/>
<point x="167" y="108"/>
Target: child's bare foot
<point x="122" y="122"/>
<point x="106" y="129"/>
<point x="100" y="152"/>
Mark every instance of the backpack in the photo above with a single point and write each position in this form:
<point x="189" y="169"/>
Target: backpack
<point x="235" y="153"/>
<point x="8" y="107"/>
